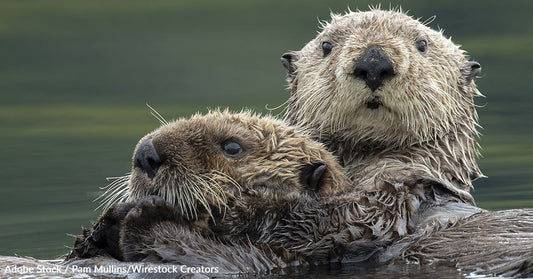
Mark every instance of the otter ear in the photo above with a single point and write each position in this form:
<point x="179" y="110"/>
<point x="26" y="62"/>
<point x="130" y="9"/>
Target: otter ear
<point x="311" y="175"/>
<point x="287" y="60"/>
<point x="472" y="70"/>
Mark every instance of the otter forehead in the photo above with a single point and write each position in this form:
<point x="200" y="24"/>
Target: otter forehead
<point x="395" y="23"/>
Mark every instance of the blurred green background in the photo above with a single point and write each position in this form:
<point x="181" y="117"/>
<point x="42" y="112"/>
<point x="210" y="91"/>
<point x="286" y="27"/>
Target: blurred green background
<point x="75" y="77"/>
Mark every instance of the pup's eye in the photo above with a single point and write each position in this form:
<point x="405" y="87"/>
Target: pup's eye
<point x="422" y="46"/>
<point x="326" y="48"/>
<point x="231" y="148"/>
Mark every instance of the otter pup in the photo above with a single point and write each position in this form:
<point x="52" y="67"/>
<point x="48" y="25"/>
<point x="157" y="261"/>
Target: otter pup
<point x="238" y="182"/>
<point x="391" y="98"/>
<point x="250" y="194"/>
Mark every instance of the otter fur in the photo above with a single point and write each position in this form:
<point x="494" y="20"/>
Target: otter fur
<point x="246" y="183"/>
<point x="389" y="96"/>
<point x="498" y="243"/>
<point x="394" y="100"/>
<point x="265" y="197"/>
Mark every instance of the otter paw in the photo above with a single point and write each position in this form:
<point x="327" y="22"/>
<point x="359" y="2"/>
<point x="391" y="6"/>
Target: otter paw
<point x="135" y="234"/>
<point x="148" y="211"/>
<point x="103" y="238"/>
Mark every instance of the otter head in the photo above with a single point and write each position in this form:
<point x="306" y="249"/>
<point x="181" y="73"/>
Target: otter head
<point x="384" y="78"/>
<point x="208" y="164"/>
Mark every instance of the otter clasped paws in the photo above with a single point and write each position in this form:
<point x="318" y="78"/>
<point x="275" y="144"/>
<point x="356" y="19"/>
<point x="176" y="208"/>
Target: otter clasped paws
<point x="103" y="238"/>
<point x="118" y="231"/>
<point x="135" y="234"/>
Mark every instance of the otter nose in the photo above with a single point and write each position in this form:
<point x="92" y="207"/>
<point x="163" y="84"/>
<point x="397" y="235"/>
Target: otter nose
<point x="374" y="68"/>
<point x="146" y="158"/>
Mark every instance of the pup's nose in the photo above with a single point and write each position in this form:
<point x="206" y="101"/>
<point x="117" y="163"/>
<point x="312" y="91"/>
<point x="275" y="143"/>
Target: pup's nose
<point x="146" y="158"/>
<point x="374" y="68"/>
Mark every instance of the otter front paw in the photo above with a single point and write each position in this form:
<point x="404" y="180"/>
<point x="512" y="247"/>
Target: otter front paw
<point x="103" y="238"/>
<point x="135" y="234"/>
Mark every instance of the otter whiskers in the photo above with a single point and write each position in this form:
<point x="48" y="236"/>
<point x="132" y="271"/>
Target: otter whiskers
<point x="157" y="115"/>
<point x="115" y="192"/>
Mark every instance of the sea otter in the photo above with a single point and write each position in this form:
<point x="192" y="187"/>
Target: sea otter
<point x="248" y="194"/>
<point x="244" y="183"/>
<point x="393" y="99"/>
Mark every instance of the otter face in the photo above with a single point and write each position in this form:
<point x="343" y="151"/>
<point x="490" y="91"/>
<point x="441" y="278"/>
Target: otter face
<point x="381" y="77"/>
<point x="205" y="165"/>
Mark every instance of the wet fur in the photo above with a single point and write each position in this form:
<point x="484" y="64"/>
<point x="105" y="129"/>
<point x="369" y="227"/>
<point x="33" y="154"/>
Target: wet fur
<point x="258" y="199"/>
<point x="277" y="222"/>
<point x="427" y="123"/>
<point x="425" y="127"/>
<point x="496" y="243"/>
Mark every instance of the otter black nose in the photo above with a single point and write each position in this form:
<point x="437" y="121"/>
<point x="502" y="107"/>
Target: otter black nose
<point x="146" y="158"/>
<point x="287" y="60"/>
<point x="374" y="68"/>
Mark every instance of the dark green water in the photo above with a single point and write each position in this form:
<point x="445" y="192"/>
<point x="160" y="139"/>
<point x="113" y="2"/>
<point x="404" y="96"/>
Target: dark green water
<point x="75" y="77"/>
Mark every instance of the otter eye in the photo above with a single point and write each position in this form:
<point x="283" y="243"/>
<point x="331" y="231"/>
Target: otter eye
<point x="422" y="46"/>
<point x="326" y="48"/>
<point x="231" y="148"/>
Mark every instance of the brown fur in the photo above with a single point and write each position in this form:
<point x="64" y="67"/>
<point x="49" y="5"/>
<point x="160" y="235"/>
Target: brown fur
<point x="259" y="196"/>
<point x="256" y="199"/>
<point x="273" y="155"/>
<point x="251" y="216"/>
<point x="419" y="123"/>
<point x="425" y="124"/>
